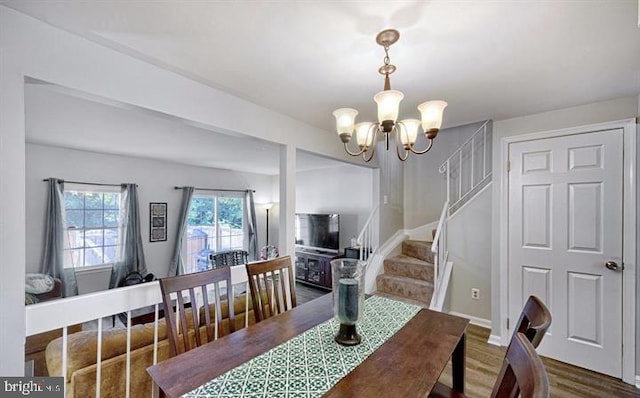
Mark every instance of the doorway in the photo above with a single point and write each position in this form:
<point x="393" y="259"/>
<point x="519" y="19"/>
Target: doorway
<point x="570" y="239"/>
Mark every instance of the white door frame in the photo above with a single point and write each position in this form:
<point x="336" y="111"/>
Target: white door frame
<point x="628" y="239"/>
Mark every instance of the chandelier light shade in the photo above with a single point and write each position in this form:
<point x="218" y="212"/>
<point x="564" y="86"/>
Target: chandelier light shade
<point x="388" y="102"/>
<point x="388" y="105"/>
<point x="345" y="119"/>
<point x="431" y="112"/>
<point x="364" y="134"/>
<point x="409" y="135"/>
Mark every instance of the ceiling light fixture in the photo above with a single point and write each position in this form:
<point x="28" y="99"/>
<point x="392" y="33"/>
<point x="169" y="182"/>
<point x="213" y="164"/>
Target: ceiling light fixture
<point x="388" y="101"/>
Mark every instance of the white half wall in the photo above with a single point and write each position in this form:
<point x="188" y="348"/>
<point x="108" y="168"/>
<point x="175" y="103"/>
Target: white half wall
<point x="469" y="240"/>
<point x="156" y="181"/>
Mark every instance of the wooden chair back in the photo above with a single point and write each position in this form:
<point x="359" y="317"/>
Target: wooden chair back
<point x="272" y="287"/>
<point x="524" y="369"/>
<point x="179" y="334"/>
<point x="534" y="321"/>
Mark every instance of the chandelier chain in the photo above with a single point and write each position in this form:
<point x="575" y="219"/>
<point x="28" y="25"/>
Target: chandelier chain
<point x="387" y="60"/>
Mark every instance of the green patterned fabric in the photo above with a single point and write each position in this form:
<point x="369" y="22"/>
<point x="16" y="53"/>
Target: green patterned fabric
<point x="310" y="364"/>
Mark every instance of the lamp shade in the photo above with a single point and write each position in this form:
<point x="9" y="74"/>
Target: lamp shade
<point x="364" y="134"/>
<point x="431" y="112"/>
<point x="345" y="118"/>
<point x="388" y="104"/>
<point x="409" y="133"/>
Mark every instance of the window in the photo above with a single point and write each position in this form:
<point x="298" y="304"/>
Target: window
<point x="92" y="227"/>
<point x="215" y="223"/>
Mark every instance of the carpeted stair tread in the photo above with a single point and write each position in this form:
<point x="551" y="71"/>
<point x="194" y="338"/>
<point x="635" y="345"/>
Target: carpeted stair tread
<point x="403" y="265"/>
<point x="403" y="286"/>
<point x="418" y="248"/>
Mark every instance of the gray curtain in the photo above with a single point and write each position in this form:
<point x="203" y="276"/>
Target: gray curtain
<point x="53" y="253"/>
<point x="251" y="227"/>
<point x="131" y="256"/>
<point x="176" y="267"/>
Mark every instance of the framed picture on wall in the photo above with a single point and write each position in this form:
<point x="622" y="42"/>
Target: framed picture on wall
<point x="157" y="222"/>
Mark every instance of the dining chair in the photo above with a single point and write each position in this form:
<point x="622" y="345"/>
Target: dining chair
<point x="534" y="321"/>
<point x="524" y="369"/>
<point x="272" y="287"/>
<point x="188" y="330"/>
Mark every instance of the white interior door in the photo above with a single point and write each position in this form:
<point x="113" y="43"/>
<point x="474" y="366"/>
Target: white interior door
<point x="565" y="224"/>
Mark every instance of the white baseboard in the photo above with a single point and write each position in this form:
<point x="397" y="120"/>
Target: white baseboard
<point x="637" y="381"/>
<point x="495" y="340"/>
<point x="474" y="320"/>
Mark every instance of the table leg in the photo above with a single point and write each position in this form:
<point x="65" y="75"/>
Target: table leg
<point x="156" y="392"/>
<point x="458" y="364"/>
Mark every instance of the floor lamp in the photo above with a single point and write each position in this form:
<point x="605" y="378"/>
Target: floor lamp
<point x="267" y="207"/>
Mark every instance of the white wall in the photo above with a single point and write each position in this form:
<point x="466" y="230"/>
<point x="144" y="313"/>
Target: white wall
<point x="469" y="241"/>
<point x="156" y="181"/>
<point x="391" y="198"/>
<point x="615" y="109"/>
<point x="425" y="187"/>
<point x="345" y="189"/>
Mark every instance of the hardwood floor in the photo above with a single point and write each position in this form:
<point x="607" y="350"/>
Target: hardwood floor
<point x="566" y="381"/>
<point x="306" y="293"/>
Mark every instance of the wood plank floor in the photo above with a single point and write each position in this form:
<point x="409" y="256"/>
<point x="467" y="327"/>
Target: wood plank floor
<point x="566" y="381"/>
<point x="306" y="293"/>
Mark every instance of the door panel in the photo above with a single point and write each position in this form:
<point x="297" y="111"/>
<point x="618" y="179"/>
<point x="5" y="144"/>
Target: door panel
<point x="536" y="216"/>
<point x="585" y="308"/>
<point x="585" y="217"/>
<point x="565" y="222"/>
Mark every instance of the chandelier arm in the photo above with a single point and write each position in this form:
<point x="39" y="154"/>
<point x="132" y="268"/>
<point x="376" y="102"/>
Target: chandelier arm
<point x="373" y="133"/>
<point x="424" y="150"/>
<point x="398" y="141"/>
<point x="373" y="151"/>
<point x="362" y="151"/>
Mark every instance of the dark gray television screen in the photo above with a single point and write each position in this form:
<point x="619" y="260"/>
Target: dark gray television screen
<point x="318" y="231"/>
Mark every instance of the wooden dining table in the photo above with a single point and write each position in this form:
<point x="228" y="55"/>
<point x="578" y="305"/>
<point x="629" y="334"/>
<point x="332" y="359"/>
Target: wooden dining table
<point x="406" y="365"/>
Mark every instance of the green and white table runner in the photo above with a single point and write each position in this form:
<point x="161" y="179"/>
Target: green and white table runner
<point x="310" y="364"/>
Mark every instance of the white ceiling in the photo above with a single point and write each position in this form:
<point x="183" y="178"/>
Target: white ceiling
<point x="488" y="59"/>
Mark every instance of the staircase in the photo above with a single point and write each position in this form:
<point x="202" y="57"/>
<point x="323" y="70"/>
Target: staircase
<point x="409" y="276"/>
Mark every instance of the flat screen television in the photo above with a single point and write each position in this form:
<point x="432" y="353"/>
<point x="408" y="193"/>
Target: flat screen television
<point x="318" y="231"/>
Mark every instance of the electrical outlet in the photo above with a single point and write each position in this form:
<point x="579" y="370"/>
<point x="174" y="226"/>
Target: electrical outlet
<point x="475" y="293"/>
<point x="385" y="199"/>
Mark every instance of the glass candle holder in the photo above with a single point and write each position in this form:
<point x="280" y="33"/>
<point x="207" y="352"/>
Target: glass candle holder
<point x="348" y="297"/>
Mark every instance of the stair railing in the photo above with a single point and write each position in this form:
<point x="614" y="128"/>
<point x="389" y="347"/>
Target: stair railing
<point x="467" y="157"/>
<point x="368" y="237"/>
<point x="439" y="249"/>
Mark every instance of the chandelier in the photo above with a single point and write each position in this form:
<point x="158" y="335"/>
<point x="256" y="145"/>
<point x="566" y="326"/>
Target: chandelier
<point x="388" y="101"/>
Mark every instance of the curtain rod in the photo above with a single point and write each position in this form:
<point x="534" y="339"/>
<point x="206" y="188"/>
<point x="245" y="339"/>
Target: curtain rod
<point x="219" y="190"/>
<point x="89" y="183"/>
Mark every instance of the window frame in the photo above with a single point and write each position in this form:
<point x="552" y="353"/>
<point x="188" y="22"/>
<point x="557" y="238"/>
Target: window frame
<point x="68" y="250"/>
<point x="216" y="196"/>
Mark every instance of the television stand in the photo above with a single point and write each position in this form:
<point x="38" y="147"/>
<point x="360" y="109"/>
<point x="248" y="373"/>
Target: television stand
<point x="313" y="267"/>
